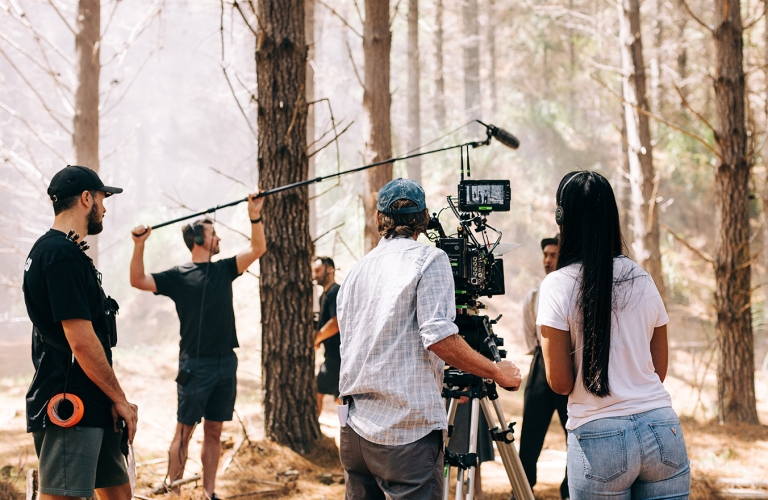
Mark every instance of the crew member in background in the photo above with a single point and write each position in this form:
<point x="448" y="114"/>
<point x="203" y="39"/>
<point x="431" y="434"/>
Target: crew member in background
<point x="202" y="291"/>
<point x="540" y="401"/>
<point x="396" y="317"/>
<point x="324" y="274"/>
<point x="73" y="333"/>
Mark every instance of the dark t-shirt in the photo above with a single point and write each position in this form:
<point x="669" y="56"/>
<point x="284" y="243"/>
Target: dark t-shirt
<point x="60" y="283"/>
<point x="184" y="285"/>
<point x="328" y="312"/>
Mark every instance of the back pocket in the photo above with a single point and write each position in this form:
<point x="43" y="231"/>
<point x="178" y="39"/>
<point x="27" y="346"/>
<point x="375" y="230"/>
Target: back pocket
<point x="669" y="435"/>
<point x="604" y="454"/>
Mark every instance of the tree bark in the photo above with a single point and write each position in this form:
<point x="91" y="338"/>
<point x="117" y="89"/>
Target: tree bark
<point x="414" y="92"/>
<point x="288" y="356"/>
<point x="439" y="79"/>
<point x="472" y="102"/>
<point x="85" y="130"/>
<point x="85" y="138"/>
<point x="682" y="51"/>
<point x="642" y="176"/>
<point x="377" y="101"/>
<point x="655" y="63"/>
<point x="736" y="364"/>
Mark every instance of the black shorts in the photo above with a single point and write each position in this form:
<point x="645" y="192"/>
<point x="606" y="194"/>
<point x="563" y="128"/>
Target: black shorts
<point x="328" y="377"/>
<point x="210" y="391"/>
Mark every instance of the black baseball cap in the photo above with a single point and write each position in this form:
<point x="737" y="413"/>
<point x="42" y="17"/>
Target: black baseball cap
<point x="401" y="189"/>
<point x="74" y="179"/>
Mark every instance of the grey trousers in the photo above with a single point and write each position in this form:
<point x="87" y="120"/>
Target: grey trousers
<point x="375" y="471"/>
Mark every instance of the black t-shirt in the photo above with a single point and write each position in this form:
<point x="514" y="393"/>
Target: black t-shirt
<point x="184" y="285"/>
<point x="328" y="312"/>
<point x="60" y="283"/>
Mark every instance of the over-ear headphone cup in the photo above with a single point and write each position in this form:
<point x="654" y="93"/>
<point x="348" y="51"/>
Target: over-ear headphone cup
<point x="559" y="215"/>
<point x="199" y="240"/>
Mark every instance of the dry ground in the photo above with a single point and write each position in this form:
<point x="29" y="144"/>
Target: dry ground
<point x="716" y="451"/>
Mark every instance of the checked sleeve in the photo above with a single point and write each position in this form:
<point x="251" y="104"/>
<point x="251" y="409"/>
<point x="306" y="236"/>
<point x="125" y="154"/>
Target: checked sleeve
<point x="436" y="301"/>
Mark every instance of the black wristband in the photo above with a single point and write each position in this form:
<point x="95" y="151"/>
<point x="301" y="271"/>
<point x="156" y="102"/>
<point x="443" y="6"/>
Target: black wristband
<point x="255" y="221"/>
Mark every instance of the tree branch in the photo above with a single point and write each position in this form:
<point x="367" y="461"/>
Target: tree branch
<point x="22" y="18"/>
<point x="32" y="129"/>
<point x="395" y="12"/>
<point x="231" y="178"/>
<point x="51" y="113"/>
<point x="313" y="153"/>
<point x="109" y="19"/>
<point x="102" y="111"/>
<point x="660" y="119"/>
<point x="695" y="17"/>
<point x="689" y="107"/>
<point x="296" y="107"/>
<point x="45" y="67"/>
<point x="63" y="19"/>
<point x="687" y="245"/>
<point x="341" y="18"/>
<point x="122" y="144"/>
<point x="242" y="111"/>
<point x="749" y="24"/>
<point x="354" y="66"/>
<point x="247" y="23"/>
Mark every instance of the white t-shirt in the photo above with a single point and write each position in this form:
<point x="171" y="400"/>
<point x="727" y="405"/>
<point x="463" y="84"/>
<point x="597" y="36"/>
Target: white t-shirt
<point x="637" y="310"/>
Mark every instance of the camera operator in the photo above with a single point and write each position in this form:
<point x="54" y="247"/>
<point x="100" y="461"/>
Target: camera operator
<point x="324" y="274"/>
<point x="73" y="333"/>
<point x="540" y="400"/>
<point x="202" y="291"/>
<point x="396" y="310"/>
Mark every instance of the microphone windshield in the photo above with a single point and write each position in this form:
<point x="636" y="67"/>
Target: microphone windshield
<point x="504" y="137"/>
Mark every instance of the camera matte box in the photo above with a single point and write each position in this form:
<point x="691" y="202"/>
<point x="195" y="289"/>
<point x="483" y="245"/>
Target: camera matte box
<point x="484" y="196"/>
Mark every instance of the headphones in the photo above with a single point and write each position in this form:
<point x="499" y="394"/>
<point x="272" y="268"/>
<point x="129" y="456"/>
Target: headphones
<point x="199" y="229"/>
<point x="560" y="211"/>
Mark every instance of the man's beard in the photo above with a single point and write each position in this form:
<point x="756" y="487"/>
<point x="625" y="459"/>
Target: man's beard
<point x="94" y="226"/>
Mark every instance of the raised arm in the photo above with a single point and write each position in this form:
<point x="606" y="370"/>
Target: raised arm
<point x="90" y="356"/>
<point x="258" y="243"/>
<point x="139" y="279"/>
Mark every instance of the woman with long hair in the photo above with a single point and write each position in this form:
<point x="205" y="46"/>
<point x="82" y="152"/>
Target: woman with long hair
<point x="604" y="340"/>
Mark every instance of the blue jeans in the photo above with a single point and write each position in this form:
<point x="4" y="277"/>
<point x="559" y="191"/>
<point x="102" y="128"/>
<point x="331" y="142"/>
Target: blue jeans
<point x="632" y="457"/>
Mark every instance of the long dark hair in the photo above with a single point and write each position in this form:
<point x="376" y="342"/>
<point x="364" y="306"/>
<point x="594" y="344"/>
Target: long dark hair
<point x="590" y="234"/>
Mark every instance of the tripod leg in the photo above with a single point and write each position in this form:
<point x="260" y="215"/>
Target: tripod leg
<point x="473" y="428"/>
<point x="510" y="458"/>
<point x="452" y="404"/>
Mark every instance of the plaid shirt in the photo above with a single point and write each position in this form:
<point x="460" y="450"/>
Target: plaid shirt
<point x="395" y="303"/>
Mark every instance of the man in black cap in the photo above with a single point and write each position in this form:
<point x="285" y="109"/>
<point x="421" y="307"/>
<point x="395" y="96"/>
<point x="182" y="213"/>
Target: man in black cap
<point x="75" y="400"/>
<point x="540" y="400"/>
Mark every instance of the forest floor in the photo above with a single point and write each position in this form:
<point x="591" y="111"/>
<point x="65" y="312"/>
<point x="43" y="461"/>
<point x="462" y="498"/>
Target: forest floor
<point x="262" y="468"/>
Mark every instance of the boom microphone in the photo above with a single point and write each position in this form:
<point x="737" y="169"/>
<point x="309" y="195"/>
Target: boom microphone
<point x="502" y="135"/>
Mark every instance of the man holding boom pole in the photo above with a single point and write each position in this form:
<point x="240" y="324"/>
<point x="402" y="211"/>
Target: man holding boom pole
<point x="202" y="291"/>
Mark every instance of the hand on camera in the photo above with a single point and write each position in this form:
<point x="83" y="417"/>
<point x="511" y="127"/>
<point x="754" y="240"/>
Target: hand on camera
<point x="508" y="376"/>
<point x="254" y="206"/>
<point x="140" y="233"/>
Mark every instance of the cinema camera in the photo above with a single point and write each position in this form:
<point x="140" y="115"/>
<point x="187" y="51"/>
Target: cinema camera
<point x="477" y="272"/>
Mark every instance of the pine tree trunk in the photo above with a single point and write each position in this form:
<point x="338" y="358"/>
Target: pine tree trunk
<point x="377" y="101"/>
<point x="736" y="363"/>
<point x="682" y="51"/>
<point x="642" y="176"/>
<point x="414" y="92"/>
<point x="86" y="122"/>
<point x="288" y="356"/>
<point x="439" y="79"/>
<point x="655" y="63"/>
<point x="491" y="41"/>
<point x="472" y="102"/>
<point x="85" y="134"/>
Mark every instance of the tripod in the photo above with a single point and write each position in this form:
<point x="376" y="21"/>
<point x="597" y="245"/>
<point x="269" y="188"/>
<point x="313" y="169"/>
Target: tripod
<point x="458" y="384"/>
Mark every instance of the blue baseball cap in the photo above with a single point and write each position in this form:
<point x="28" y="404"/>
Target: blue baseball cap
<point x="401" y="189"/>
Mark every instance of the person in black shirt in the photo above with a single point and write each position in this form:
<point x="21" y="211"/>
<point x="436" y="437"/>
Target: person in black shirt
<point x="202" y="292"/>
<point x="324" y="274"/>
<point x="73" y="333"/>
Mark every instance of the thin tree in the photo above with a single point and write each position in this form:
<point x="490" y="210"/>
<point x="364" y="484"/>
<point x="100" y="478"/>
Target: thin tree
<point x="472" y="102"/>
<point x="439" y="98"/>
<point x="414" y="92"/>
<point x="286" y="279"/>
<point x="309" y="23"/>
<point x="377" y="101"/>
<point x="736" y="363"/>
<point x="642" y="175"/>
<point x="85" y="138"/>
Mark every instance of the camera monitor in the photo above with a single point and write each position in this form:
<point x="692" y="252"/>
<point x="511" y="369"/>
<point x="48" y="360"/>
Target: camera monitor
<point x="484" y="196"/>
